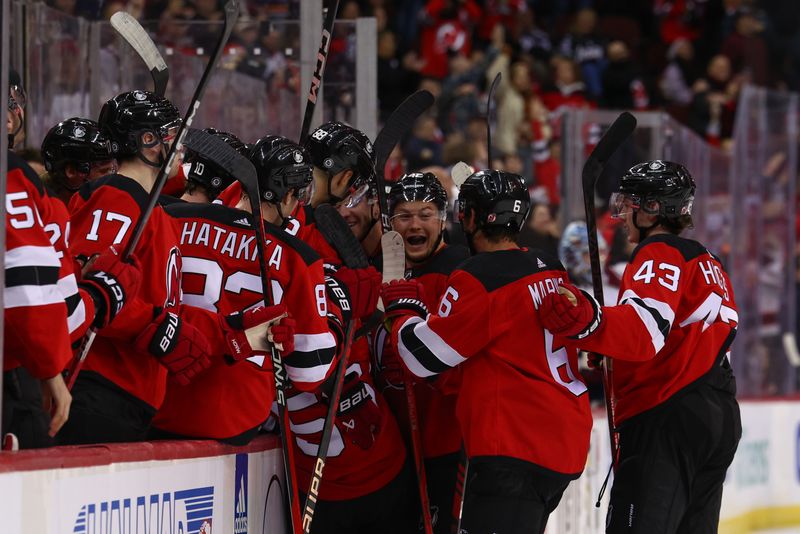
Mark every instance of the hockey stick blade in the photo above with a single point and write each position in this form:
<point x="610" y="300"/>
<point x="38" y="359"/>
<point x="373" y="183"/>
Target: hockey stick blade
<point x="136" y="36"/>
<point x="215" y="149"/>
<point x="616" y="134"/>
<point x="337" y="232"/>
<point x="394" y="256"/>
<point x="489" y="100"/>
<point x="319" y="69"/>
<point x="460" y="172"/>
<point x="397" y="125"/>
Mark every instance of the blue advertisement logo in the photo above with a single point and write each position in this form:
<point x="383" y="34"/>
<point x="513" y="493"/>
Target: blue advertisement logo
<point x="188" y="511"/>
<point x="240" y="496"/>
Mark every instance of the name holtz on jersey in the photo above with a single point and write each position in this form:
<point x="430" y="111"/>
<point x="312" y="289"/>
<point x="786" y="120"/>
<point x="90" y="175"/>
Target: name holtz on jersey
<point x="232" y="244"/>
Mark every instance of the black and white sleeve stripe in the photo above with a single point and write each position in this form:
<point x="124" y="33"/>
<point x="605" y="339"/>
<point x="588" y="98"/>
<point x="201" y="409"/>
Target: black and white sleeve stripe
<point x="423" y="351"/>
<point x="31" y="277"/>
<point x="312" y="357"/>
<point x="76" y="307"/>
<point x="656" y="316"/>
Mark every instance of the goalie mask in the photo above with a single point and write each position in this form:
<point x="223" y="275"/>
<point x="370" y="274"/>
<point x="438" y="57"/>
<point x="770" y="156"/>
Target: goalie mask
<point x="500" y="200"/>
<point x="282" y="166"/>
<point x="207" y="174"/>
<point x="335" y="147"/>
<point x="661" y="188"/>
<point x="127" y="116"/>
<point x="80" y="143"/>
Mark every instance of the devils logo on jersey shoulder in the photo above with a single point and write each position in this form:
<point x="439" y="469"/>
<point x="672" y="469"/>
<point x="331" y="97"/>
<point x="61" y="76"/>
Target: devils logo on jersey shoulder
<point x="173" y="277"/>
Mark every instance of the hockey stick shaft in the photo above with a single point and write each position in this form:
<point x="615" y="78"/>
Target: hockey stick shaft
<point x="458" y="497"/>
<point x="278" y="368"/>
<point x="319" y="69"/>
<point x="616" y="134"/>
<point x="136" y="36"/>
<point x="419" y="461"/>
<point x="231" y="14"/>
<point x="489" y="101"/>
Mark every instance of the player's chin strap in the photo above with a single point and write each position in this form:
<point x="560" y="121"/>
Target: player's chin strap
<point x="162" y="155"/>
<point x="643" y="230"/>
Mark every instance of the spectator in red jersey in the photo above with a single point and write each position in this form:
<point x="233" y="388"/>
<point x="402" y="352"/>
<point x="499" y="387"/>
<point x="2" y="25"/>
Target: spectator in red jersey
<point x="447" y="29"/>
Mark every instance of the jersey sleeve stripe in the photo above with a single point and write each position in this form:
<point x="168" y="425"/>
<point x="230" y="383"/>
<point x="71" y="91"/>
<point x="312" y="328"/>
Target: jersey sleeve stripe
<point x="312" y="342"/>
<point x="423" y="351"/>
<point x="20" y="296"/>
<point x="301" y="401"/>
<point x="307" y="374"/>
<point x="656" y="316"/>
<point x="31" y="276"/>
<point x="32" y="256"/>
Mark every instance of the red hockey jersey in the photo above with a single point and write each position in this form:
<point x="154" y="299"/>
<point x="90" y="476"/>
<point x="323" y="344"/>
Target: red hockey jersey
<point x="436" y="401"/>
<point x="221" y="274"/>
<point x="104" y="213"/>
<point x="676" y="317"/>
<point x="35" y="335"/>
<point x="521" y="395"/>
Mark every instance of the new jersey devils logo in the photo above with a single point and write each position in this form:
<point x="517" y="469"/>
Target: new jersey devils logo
<point x="173" y="277"/>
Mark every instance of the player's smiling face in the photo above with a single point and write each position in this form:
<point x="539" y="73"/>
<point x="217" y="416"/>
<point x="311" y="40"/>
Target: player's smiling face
<point x="420" y="224"/>
<point x="359" y="217"/>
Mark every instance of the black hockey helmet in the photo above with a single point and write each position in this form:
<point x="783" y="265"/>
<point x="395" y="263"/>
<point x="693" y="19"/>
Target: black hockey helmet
<point x="656" y="187"/>
<point x="128" y="115"/>
<point x="207" y="174"/>
<point x="282" y="165"/>
<point x="418" y="187"/>
<point x="500" y="199"/>
<point x="76" y="141"/>
<point x="335" y="147"/>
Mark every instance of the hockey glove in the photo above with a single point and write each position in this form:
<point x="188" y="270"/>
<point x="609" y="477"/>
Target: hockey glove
<point x="180" y="347"/>
<point x="363" y="286"/>
<point x="358" y="416"/>
<point x="111" y="282"/>
<point x="403" y="297"/>
<point x="247" y="333"/>
<point x="571" y="312"/>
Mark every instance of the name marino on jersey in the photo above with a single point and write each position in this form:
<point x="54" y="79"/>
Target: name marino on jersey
<point x="232" y="244"/>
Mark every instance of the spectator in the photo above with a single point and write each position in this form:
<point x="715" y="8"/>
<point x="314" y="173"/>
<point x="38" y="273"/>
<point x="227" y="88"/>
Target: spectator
<point x="714" y="101"/>
<point x="447" y="29"/>
<point x="424" y="147"/>
<point x="532" y="40"/>
<point x="203" y="33"/>
<point x="747" y="50"/>
<point x="396" y="78"/>
<point x="623" y="85"/>
<point x="567" y="89"/>
<point x="680" y="74"/>
<point x="512" y="94"/>
<point x="541" y="231"/>
<point x="587" y="49"/>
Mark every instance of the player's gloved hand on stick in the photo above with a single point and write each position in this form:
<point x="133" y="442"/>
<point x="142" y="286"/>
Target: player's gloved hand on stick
<point x="180" y="347"/>
<point x="403" y="297"/>
<point x="358" y="416"/>
<point x="111" y="283"/>
<point x="391" y="365"/>
<point x="248" y="333"/>
<point x="570" y="312"/>
<point x="363" y="286"/>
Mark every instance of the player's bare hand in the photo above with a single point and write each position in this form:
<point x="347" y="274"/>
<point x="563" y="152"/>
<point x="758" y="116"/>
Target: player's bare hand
<point x="567" y="293"/>
<point x="57" y="400"/>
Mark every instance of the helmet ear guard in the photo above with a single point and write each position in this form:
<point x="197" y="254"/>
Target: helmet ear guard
<point x="500" y="200"/>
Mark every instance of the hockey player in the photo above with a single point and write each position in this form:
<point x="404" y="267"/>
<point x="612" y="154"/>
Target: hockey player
<point x="418" y="207"/>
<point x="204" y="179"/>
<point x="361" y="213"/>
<point x="75" y="151"/>
<point x="15" y="117"/>
<point x="669" y="336"/>
<point x="221" y="274"/>
<point x="522" y="407"/>
<point x="124" y="377"/>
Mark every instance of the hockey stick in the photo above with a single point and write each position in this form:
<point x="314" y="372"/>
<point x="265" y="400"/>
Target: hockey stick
<point x="136" y="36"/>
<point x="336" y="231"/>
<point x="397" y="125"/>
<point x="616" y="134"/>
<point x="489" y="100"/>
<point x="319" y="70"/>
<point x="231" y="14"/>
<point x="245" y="172"/>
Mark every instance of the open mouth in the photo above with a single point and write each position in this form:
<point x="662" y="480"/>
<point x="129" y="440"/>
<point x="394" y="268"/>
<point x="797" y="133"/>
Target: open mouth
<point x="416" y="240"/>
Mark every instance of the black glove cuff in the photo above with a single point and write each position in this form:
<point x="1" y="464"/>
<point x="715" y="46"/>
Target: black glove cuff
<point x="597" y="317"/>
<point x="407" y="306"/>
<point x="165" y="336"/>
<point x="100" y="303"/>
<point x="112" y="291"/>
